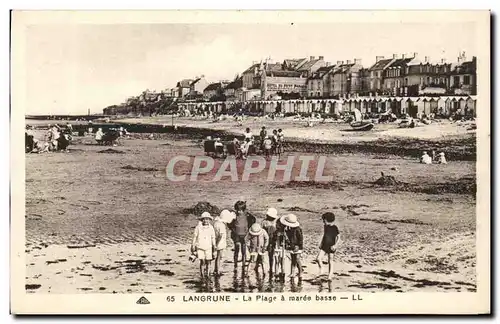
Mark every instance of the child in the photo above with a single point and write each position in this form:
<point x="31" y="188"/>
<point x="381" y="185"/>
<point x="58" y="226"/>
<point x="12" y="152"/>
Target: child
<point x="442" y="158"/>
<point x="269" y="225"/>
<point x="281" y="139"/>
<point x="278" y="244"/>
<point x="219" y="147"/>
<point x="204" y="243"/>
<point x="426" y="159"/>
<point x="239" y="227"/>
<point x="245" y="148"/>
<point x="262" y="135"/>
<point x="257" y="241"/>
<point x="294" y="242"/>
<point x="328" y="245"/>
<point x="268" y="145"/>
<point x="221" y="236"/>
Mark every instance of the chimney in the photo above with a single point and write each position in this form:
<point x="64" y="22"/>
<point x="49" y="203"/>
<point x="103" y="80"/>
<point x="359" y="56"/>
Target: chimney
<point x="327" y="63"/>
<point x="394" y="56"/>
<point x="443" y="60"/>
<point x="311" y="58"/>
<point x="378" y="58"/>
<point x="415" y="54"/>
<point x="321" y="57"/>
<point x="403" y="56"/>
<point x="348" y="61"/>
<point x="357" y="61"/>
<point x="339" y="62"/>
<point x="426" y="60"/>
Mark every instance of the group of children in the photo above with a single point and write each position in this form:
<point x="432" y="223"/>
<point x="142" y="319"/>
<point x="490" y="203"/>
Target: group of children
<point x="427" y="159"/>
<point x="277" y="237"/>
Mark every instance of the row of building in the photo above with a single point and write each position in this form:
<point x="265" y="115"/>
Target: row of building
<point x="405" y="75"/>
<point x="314" y="78"/>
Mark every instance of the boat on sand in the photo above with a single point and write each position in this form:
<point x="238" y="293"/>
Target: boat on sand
<point x="360" y="125"/>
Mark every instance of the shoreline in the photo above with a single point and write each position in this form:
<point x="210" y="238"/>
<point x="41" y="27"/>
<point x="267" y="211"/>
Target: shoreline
<point x="460" y="146"/>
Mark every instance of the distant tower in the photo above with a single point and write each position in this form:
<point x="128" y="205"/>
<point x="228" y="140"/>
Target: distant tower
<point x="89" y="111"/>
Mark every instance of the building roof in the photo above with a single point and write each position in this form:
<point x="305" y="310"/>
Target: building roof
<point x="380" y="65"/>
<point x="322" y="71"/>
<point x="251" y="68"/>
<point x="308" y="65"/>
<point x="236" y="84"/>
<point x="213" y="86"/>
<point x="401" y="62"/>
<point x="274" y="67"/>
<point x="185" y="83"/>
<point x="293" y="63"/>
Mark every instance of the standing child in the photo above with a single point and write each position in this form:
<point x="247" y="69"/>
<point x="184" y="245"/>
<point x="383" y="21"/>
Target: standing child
<point x="328" y="245"/>
<point x="278" y="242"/>
<point x="294" y="242"/>
<point x="268" y="146"/>
<point x="269" y="225"/>
<point x="221" y="236"/>
<point x="281" y="139"/>
<point x="257" y="241"/>
<point x="204" y="243"/>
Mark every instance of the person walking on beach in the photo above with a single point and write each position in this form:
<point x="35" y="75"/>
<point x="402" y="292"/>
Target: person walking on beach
<point x="239" y="230"/>
<point x="257" y="240"/>
<point x="294" y="242"/>
<point x="269" y="225"/>
<point x="329" y="242"/>
<point x="263" y="134"/>
<point x="204" y="243"/>
<point x="221" y="237"/>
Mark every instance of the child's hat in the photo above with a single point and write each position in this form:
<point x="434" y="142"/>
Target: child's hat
<point x="289" y="220"/>
<point x="272" y="212"/>
<point x="206" y="215"/>
<point x="256" y="229"/>
<point x="226" y="216"/>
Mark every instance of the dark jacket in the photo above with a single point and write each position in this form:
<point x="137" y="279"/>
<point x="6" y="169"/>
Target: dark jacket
<point x="250" y="221"/>
<point x="294" y="239"/>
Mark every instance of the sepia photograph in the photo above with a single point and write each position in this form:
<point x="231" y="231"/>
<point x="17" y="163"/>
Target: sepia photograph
<point x="206" y="158"/>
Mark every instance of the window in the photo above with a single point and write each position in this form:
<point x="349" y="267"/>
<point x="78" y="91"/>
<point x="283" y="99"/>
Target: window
<point x="466" y="79"/>
<point x="456" y="80"/>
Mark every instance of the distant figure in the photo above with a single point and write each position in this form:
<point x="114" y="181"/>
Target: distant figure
<point x="248" y="135"/>
<point x="442" y="158"/>
<point x="263" y="134"/>
<point x="98" y="135"/>
<point x="426" y="159"/>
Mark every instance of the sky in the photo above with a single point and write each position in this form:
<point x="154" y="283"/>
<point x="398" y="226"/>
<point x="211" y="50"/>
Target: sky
<point x="75" y="67"/>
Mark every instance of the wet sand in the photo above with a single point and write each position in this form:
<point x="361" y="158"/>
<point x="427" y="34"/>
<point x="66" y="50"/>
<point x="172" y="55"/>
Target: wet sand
<point x="95" y="225"/>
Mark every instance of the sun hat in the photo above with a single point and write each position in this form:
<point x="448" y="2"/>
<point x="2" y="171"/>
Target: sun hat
<point x="289" y="220"/>
<point x="226" y="216"/>
<point x="256" y="229"/>
<point x="272" y="212"/>
<point x="206" y="215"/>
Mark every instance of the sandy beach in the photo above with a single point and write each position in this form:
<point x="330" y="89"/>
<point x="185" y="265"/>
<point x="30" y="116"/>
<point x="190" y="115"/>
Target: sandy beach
<point x="130" y="231"/>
